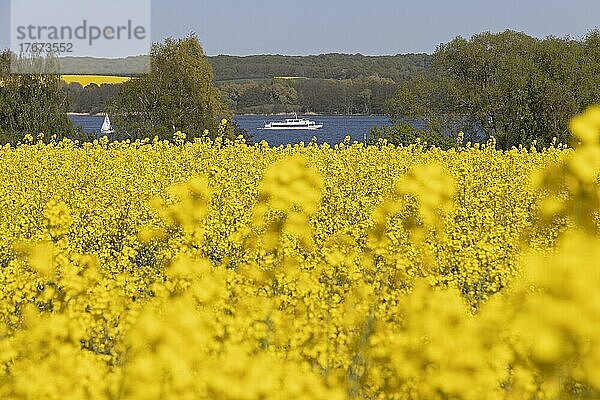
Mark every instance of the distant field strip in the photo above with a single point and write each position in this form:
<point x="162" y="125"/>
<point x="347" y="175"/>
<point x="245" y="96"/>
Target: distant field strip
<point x="86" y="80"/>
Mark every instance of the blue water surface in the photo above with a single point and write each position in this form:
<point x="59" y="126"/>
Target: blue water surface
<point x="335" y="127"/>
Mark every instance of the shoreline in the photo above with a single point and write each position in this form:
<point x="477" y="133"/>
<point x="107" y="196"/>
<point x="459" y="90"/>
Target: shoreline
<point x="312" y="114"/>
<point x="75" y="114"/>
<point x="309" y="114"/>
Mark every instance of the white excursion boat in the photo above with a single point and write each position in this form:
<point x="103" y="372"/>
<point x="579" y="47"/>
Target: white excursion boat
<point x="293" y="124"/>
<point x="106" y="126"/>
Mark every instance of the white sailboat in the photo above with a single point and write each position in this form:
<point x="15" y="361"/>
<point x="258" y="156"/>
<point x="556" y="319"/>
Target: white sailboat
<point x="106" y="126"/>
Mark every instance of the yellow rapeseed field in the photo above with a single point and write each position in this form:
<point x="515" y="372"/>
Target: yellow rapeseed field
<point x="217" y="270"/>
<point x="85" y="80"/>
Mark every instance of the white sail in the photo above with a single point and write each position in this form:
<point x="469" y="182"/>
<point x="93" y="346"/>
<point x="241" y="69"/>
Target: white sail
<point x="106" y="128"/>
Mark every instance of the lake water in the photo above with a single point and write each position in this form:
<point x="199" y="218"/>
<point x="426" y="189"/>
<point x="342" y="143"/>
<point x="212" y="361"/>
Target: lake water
<point x="335" y="128"/>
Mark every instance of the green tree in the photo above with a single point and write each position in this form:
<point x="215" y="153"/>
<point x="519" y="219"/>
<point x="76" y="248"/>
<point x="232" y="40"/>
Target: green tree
<point x="283" y="94"/>
<point x="366" y="96"/>
<point x="508" y="85"/>
<point x="33" y="103"/>
<point x="177" y="94"/>
<point x="406" y="134"/>
<point x="430" y="99"/>
<point x="588" y="90"/>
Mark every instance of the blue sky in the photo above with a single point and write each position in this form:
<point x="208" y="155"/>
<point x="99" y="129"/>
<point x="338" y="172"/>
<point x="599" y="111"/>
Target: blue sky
<point x="243" y="27"/>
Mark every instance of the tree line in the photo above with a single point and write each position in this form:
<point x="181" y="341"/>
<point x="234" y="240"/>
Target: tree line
<point x="258" y="67"/>
<point x="324" y="66"/>
<point x="324" y="96"/>
<point x="91" y="99"/>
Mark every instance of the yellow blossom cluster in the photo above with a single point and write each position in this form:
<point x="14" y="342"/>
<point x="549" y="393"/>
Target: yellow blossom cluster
<point x="218" y="270"/>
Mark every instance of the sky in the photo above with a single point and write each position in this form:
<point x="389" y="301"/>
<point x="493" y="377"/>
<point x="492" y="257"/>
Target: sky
<point x="370" y="27"/>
